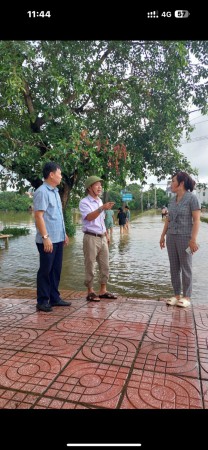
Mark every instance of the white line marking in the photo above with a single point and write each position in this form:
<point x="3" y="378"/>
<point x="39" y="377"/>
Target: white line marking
<point x="103" y="445"/>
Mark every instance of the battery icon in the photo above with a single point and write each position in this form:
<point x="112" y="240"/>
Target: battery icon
<point x="181" y="13"/>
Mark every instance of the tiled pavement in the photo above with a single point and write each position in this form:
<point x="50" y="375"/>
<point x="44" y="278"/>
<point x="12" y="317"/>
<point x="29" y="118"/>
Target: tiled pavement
<point x="125" y="370"/>
<point x="116" y="354"/>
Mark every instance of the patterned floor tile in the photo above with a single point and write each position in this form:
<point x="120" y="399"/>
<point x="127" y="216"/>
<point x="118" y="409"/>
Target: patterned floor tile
<point x="91" y="383"/>
<point x="30" y="372"/>
<point x="147" y="390"/>
<point x="109" y="350"/>
<point x="10" y="302"/>
<point x="201" y="318"/>
<point x="174" y="316"/>
<point x="202" y="339"/>
<point x="126" y="353"/>
<point x="18" y="293"/>
<point x="117" y="328"/>
<point x="11" y="319"/>
<point x="58" y="343"/>
<point x="24" y="308"/>
<point x="131" y="315"/>
<point x="173" y="335"/>
<point x="17" y="338"/>
<point x="39" y="320"/>
<point x="5" y="354"/>
<point x="203" y="363"/>
<point x="78" y="324"/>
<point x="205" y="393"/>
<point x="10" y="399"/>
<point x="167" y="358"/>
<point x="92" y="310"/>
<point x="142" y="302"/>
<point x="50" y="403"/>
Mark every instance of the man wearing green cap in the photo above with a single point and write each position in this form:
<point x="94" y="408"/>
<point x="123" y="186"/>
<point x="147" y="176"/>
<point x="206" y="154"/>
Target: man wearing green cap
<point x="95" y="240"/>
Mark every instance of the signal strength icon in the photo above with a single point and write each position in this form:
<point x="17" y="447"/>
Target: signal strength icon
<point x="152" y="15"/>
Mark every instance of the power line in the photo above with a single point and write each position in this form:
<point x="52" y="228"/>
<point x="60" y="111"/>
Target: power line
<point x="199" y="138"/>
<point x="202" y="121"/>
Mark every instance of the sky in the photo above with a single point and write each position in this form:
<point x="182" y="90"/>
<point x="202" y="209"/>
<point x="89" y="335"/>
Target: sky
<point x="196" y="150"/>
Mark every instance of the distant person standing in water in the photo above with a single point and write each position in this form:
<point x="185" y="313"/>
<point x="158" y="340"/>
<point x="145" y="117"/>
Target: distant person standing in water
<point x="127" y="212"/>
<point x="181" y="226"/>
<point x="109" y="220"/>
<point x="121" y="216"/>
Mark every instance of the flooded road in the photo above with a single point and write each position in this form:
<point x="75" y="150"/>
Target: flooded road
<point x="138" y="267"/>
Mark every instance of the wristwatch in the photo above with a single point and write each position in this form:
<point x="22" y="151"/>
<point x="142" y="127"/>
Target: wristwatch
<point x="100" y="209"/>
<point x="46" y="236"/>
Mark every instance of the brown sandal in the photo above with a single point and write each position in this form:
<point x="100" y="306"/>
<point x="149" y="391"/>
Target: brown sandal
<point x="107" y="295"/>
<point x="92" y="297"/>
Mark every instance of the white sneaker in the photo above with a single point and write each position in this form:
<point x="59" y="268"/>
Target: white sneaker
<point x="184" y="302"/>
<point x="172" y="301"/>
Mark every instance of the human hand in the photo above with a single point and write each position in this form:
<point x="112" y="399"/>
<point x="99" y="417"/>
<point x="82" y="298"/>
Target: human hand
<point x="48" y="245"/>
<point x="193" y="246"/>
<point x="108" y="239"/>
<point x="66" y="242"/>
<point x="162" y="242"/>
<point x="108" y="205"/>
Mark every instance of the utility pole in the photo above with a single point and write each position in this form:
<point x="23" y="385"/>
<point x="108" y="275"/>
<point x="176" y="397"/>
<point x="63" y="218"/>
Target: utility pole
<point x="155" y="197"/>
<point x="141" y="200"/>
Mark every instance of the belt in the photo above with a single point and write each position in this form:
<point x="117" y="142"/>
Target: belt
<point x="94" y="234"/>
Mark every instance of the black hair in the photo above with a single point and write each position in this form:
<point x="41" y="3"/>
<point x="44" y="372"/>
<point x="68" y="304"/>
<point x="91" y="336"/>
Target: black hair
<point x="189" y="183"/>
<point x="127" y="207"/>
<point x="48" y="168"/>
<point x="120" y="209"/>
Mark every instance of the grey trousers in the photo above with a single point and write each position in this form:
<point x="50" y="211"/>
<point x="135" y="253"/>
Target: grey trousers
<point x="95" y="250"/>
<point x="180" y="263"/>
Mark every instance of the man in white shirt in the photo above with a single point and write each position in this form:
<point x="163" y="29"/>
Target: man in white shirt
<point x="95" y="240"/>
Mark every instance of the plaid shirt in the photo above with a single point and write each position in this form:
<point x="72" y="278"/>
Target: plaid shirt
<point x="180" y="214"/>
<point x="47" y="199"/>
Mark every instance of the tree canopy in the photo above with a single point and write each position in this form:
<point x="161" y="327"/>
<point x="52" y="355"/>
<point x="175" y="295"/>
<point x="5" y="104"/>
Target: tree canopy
<point x="111" y="108"/>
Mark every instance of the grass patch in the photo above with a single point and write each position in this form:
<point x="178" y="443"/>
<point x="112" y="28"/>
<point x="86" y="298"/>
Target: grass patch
<point x="15" y="231"/>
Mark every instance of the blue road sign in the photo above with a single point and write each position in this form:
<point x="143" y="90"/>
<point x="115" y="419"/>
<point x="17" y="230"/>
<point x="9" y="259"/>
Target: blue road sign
<point x="126" y="197"/>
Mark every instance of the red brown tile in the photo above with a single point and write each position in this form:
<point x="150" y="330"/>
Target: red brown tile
<point x="30" y="372"/>
<point x="78" y="324"/>
<point x="149" y="390"/>
<point x="17" y="338"/>
<point x="58" y="343"/>
<point x="109" y="350"/>
<point x="167" y="358"/>
<point x="89" y="383"/>
<point x="118" y="328"/>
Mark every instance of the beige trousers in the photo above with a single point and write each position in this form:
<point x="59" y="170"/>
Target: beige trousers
<point x="95" y="250"/>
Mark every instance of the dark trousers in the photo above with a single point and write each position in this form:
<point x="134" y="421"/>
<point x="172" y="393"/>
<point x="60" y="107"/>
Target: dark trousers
<point x="49" y="273"/>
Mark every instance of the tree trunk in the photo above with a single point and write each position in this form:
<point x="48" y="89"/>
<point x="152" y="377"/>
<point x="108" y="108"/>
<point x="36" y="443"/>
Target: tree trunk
<point x="64" y="194"/>
<point x="105" y="196"/>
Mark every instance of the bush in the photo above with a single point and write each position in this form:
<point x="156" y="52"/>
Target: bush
<point x="204" y="219"/>
<point x="69" y="225"/>
<point x="15" y="231"/>
<point x="12" y="201"/>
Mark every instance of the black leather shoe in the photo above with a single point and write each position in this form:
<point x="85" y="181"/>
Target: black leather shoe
<point x="45" y="308"/>
<point x="61" y="303"/>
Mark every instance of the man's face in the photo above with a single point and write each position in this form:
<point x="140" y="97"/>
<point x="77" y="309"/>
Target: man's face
<point x="96" y="189"/>
<point x="56" y="177"/>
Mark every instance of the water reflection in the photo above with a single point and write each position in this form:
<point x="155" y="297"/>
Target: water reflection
<point x="138" y="267"/>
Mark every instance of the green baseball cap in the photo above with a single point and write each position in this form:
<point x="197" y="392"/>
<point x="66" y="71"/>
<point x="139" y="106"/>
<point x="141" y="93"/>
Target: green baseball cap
<point x="91" y="180"/>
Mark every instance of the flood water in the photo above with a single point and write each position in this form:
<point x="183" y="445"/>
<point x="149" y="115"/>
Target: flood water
<point x="138" y="267"/>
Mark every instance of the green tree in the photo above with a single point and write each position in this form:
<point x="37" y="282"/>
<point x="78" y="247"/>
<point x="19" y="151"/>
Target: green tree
<point x="114" y="108"/>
